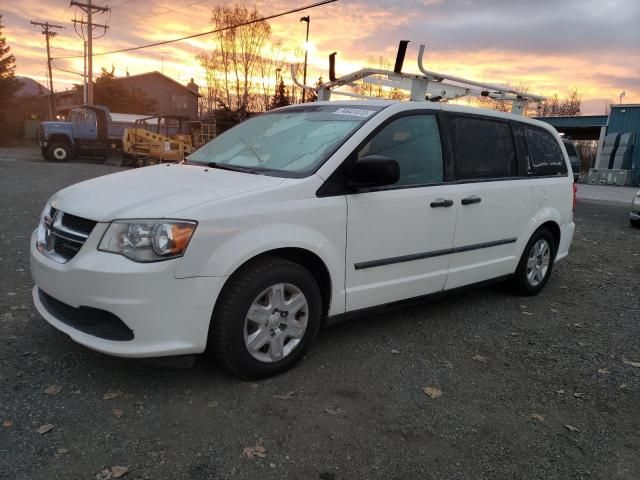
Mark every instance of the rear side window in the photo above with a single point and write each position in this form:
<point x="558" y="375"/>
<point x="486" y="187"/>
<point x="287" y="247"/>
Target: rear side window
<point x="483" y="148"/>
<point x="545" y="156"/>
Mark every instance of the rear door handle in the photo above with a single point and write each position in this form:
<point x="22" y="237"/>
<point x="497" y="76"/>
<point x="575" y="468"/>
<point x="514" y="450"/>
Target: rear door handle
<point x="470" y="200"/>
<point x="441" y="202"/>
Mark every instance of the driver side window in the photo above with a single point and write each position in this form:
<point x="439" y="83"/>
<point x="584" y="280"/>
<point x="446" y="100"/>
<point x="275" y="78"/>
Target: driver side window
<point x="414" y="142"/>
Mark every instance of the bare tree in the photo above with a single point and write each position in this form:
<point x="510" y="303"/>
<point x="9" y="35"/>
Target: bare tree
<point x="271" y="67"/>
<point x="567" y="107"/>
<point x="232" y="67"/>
<point x="213" y="95"/>
<point x="377" y="89"/>
<point x="374" y="89"/>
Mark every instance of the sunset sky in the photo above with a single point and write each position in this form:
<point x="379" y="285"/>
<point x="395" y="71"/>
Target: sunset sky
<point x="548" y="45"/>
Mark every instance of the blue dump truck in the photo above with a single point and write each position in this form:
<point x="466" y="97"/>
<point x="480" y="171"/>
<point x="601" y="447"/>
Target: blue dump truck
<point x="86" y="130"/>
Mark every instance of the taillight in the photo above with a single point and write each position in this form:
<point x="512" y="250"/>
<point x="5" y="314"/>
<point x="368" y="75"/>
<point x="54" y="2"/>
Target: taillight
<point x="575" y="195"/>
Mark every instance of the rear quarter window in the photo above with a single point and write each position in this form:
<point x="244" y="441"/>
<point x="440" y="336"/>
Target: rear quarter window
<point x="545" y="156"/>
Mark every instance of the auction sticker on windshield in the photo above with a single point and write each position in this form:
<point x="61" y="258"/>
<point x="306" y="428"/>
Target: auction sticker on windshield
<point x="354" y="112"/>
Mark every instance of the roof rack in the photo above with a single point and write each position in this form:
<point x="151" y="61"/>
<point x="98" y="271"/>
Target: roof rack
<point x="428" y="86"/>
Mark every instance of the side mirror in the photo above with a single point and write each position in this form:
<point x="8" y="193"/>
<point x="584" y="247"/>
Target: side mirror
<point x="375" y="171"/>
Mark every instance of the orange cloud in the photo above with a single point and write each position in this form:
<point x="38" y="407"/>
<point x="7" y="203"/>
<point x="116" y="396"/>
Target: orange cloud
<point x="357" y="30"/>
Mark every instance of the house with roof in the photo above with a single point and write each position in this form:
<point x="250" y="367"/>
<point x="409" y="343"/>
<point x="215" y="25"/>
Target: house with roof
<point x="170" y="97"/>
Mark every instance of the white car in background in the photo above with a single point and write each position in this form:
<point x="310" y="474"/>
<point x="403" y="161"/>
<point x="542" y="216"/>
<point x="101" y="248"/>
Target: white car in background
<point x="634" y="215"/>
<point x="297" y="216"/>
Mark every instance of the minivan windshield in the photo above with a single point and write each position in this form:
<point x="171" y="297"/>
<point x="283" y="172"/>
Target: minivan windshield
<point x="291" y="142"/>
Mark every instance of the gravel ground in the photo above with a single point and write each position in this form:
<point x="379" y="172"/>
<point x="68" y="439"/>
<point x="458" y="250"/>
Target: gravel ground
<point x="544" y="387"/>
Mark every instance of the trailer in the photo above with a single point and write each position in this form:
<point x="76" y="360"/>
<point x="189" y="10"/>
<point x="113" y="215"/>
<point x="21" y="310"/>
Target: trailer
<point x="159" y="138"/>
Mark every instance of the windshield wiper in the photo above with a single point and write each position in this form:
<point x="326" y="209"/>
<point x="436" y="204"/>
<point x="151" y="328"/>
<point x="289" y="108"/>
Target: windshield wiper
<point x="234" y="168"/>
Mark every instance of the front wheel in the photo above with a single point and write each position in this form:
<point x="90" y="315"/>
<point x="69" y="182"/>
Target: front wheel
<point x="266" y="318"/>
<point x="634" y="222"/>
<point x="535" y="264"/>
<point x="59" y="152"/>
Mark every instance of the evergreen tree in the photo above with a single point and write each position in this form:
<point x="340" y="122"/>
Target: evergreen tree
<point x="312" y="96"/>
<point x="281" y="97"/>
<point x="9" y="84"/>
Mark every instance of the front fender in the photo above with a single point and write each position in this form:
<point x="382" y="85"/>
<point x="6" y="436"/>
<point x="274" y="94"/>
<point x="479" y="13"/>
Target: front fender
<point x="235" y="250"/>
<point x="58" y="136"/>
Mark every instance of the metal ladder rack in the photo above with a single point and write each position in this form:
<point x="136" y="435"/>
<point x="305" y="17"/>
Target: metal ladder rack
<point x="429" y="86"/>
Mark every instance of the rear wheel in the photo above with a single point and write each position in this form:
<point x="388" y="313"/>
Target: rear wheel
<point x="266" y="318"/>
<point x="634" y="223"/>
<point x="59" y="152"/>
<point x="535" y="264"/>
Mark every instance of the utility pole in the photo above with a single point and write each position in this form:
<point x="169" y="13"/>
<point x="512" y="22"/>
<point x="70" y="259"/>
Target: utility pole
<point x="85" y="38"/>
<point x="307" y="20"/>
<point x="84" y="73"/>
<point x="90" y="9"/>
<point x="46" y="31"/>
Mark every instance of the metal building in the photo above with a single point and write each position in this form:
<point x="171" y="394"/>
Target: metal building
<point x="618" y="135"/>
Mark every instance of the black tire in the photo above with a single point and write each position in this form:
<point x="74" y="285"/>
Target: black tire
<point x="226" y="339"/>
<point x="634" y="223"/>
<point x="520" y="283"/>
<point x="59" y="152"/>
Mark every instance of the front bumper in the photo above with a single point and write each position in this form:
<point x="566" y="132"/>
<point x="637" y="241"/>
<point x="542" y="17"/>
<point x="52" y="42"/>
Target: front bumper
<point x="635" y="209"/>
<point x="167" y="316"/>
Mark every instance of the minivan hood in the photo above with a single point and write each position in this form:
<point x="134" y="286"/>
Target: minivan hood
<point x="155" y="192"/>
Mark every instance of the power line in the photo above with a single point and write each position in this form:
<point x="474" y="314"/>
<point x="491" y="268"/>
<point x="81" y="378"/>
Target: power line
<point x="53" y="64"/>
<point x="165" y="42"/>
<point x="160" y="13"/>
<point x="82" y="33"/>
<point x="121" y="4"/>
<point x="89" y="9"/>
<point x="64" y="14"/>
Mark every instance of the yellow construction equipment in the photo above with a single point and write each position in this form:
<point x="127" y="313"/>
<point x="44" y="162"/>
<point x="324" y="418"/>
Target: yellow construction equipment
<point x="160" y="138"/>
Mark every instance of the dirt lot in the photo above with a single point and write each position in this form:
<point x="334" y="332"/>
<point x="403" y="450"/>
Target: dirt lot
<point x="545" y="387"/>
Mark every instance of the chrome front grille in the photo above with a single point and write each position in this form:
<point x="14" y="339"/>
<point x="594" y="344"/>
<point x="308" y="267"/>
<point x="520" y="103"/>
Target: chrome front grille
<point x="64" y="235"/>
<point x="77" y="224"/>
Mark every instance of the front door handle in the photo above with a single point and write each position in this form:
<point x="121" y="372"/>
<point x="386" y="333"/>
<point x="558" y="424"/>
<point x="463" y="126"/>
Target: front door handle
<point x="441" y="202"/>
<point x="470" y="200"/>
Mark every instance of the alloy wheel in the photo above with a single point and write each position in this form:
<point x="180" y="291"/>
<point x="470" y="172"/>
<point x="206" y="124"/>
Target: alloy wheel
<point x="538" y="262"/>
<point x="276" y="322"/>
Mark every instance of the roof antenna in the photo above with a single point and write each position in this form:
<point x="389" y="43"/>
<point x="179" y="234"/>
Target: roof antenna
<point x="402" y="50"/>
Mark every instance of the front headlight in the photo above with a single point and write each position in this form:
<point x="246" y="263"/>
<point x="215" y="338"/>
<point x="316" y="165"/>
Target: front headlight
<point x="148" y="240"/>
<point x="43" y="227"/>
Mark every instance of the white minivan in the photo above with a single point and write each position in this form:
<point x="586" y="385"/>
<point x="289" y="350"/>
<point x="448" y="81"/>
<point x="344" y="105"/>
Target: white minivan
<point x="298" y="216"/>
